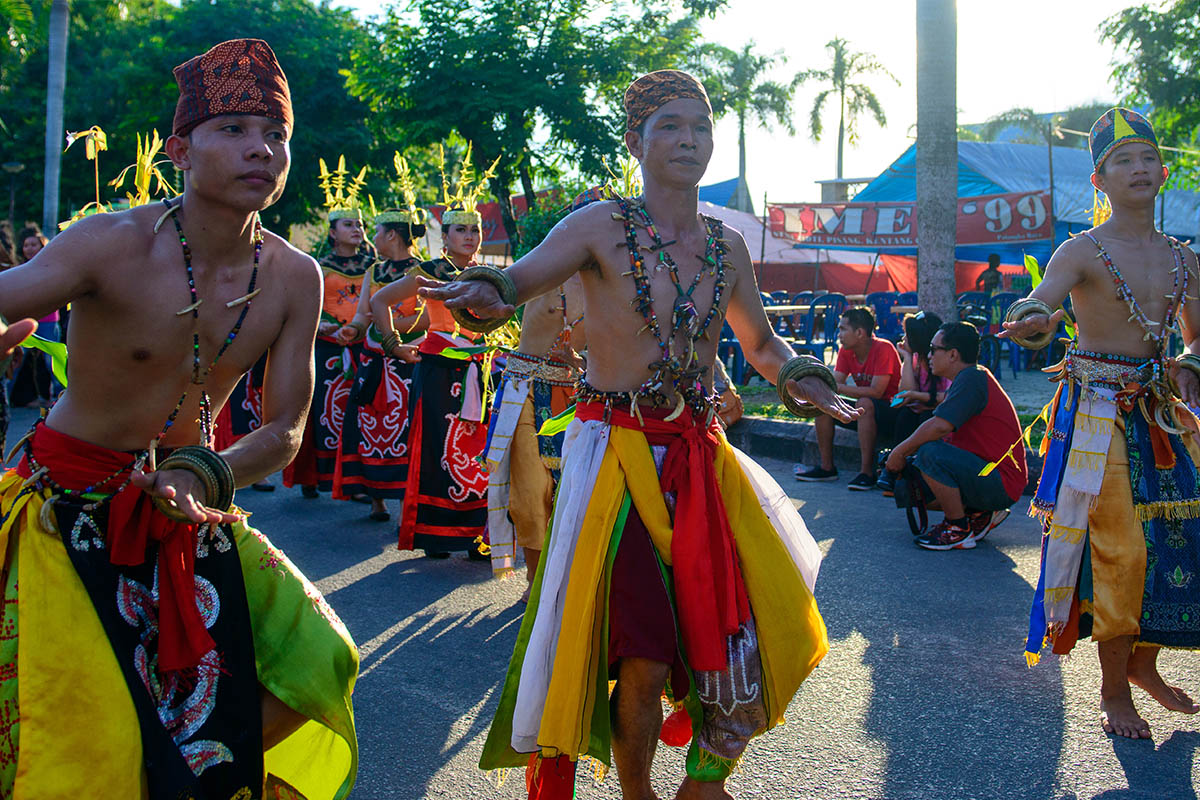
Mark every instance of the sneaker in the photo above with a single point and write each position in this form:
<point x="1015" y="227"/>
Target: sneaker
<point x="816" y="474"/>
<point x="887" y="483"/>
<point x="862" y="482"/>
<point x="309" y="492"/>
<point x="945" y="536"/>
<point x="984" y="522"/>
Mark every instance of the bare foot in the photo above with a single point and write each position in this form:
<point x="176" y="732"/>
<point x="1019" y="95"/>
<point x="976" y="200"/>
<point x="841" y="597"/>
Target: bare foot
<point x="702" y="790"/>
<point x="525" y="595"/>
<point x="1120" y="718"/>
<point x="1144" y="675"/>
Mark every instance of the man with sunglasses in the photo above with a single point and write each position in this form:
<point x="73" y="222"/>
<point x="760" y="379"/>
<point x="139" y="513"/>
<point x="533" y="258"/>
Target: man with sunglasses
<point x="973" y="427"/>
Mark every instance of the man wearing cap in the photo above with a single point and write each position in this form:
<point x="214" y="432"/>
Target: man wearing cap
<point x="1119" y="495"/>
<point x="166" y="648"/>
<point x="664" y="538"/>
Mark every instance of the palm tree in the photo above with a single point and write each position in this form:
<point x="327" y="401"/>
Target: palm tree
<point x="734" y="80"/>
<point x="937" y="154"/>
<point x="56" y="83"/>
<point x="843" y="78"/>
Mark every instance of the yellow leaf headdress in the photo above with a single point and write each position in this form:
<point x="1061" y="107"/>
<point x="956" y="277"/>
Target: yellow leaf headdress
<point x="409" y="214"/>
<point x="341" y="196"/>
<point x="461" y="205"/>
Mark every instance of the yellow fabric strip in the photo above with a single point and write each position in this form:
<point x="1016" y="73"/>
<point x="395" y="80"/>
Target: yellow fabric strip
<point x="562" y="731"/>
<point x="644" y="486"/>
<point x="1082" y="459"/>
<point x="1168" y="509"/>
<point x="791" y="633"/>
<point x="66" y="674"/>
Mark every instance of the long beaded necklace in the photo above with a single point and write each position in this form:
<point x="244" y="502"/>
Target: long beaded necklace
<point x="40" y="473"/>
<point x="676" y="372"/>
<point x="1177" y="297"/>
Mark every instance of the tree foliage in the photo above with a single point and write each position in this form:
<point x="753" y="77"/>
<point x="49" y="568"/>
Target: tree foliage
<point x="119" y="76"/>
<point x="1158" y="63"/>
<point x="1059" y="129"/>
<point x="535" y="82"/>
<point x="843" y="80"/>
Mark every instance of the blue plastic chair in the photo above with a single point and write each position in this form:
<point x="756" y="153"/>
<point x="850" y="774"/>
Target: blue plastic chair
<point x="729" y="350"/>
<point x="802" y="298"/>
<point x="766" y="299"/>
<point x="780" y="298"/>
<point x="829" y="307"/>
<point x="1018" y="357"/>
<point x="908" y="299"/>
<point x="978" y="299"/>
<point x="887" y="324"/>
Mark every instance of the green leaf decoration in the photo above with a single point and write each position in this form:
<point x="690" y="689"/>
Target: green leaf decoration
<point x="1034" y="269"/>
<point x="557" y="423"/>
<point x="57" y="352"/>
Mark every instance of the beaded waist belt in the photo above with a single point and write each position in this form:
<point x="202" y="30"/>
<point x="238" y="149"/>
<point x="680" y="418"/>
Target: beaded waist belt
<point x="555" y="373"/>
<point x="1110" y="370"/>
<point x="699" y="403"/>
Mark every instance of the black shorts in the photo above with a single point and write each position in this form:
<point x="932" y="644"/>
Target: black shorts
<point x="885" y="420"/>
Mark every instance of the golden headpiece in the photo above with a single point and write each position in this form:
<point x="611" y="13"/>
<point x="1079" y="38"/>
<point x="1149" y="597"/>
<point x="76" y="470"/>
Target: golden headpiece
<point x="341" y="196"/>
<point x="461" y="205"/>
<point x="409" y="214"/>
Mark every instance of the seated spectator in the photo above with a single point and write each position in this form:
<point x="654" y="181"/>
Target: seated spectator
<point x="867" y="370"/>
<point x="920" y="390"/>
<point x="34" y="384"/>
<point x="973" y="426"/>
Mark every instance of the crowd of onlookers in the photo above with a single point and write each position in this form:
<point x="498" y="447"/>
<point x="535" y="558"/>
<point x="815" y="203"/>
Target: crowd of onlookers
<point x="954" y="436"/>
<point x="30" y="381"/>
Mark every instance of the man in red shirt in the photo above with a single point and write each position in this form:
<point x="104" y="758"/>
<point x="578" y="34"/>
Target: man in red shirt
<point x="974" y="426"/>
<point x="868" y="370"/>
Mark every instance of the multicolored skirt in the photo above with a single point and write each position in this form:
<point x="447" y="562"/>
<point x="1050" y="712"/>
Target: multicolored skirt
<point x="316" y="461"/>
<point x="445" y="495"/>
<point x="373" y="455"/>
<point x="1120" y="503"/>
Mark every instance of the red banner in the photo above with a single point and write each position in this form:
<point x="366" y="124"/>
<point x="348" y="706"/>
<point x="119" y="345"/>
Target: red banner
<point x="987" y="219"/>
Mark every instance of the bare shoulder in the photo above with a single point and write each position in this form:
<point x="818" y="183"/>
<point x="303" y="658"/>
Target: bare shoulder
<point x="291" y="263"/>
<point x="1077" y="252"/>
<point x="592" y="218"/>
<point x="103" y="236"/>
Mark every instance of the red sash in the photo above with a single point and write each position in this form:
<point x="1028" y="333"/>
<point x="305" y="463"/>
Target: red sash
<point x="710" y="596"/>
<point x="133" y="521"/>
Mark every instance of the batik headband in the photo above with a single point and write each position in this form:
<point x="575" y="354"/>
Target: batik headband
<point x="651" y="92"/>
<point x="240" y="76"/>
<point x="1119" y="126"/>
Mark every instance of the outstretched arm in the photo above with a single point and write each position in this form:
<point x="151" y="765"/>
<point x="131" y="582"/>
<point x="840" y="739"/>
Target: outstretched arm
<point x="62" y="271"/>
<point x="763" y="348"/>
<point x="566" y="249"/>
<point x="1063" y="273"/>
<point x="1189" y="319"/>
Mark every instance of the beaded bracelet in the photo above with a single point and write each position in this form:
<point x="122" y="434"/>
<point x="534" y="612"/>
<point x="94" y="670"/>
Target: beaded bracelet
<point x="212" y="470"/>
<point x="389" y="344"/>
<point x="798" y="368"/>
<point x="504" y="286"/>
<point x="1024" y="308"/>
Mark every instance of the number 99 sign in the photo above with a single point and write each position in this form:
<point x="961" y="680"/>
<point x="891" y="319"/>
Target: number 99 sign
<point x="1007" y="217"/>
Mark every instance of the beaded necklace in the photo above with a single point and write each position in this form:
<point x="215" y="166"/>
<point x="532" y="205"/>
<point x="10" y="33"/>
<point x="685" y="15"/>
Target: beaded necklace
<point x="1177" y="296"/>
<point x="99" y="492"/>
<point x="676" y="372"/>
<point x="199" y="377"/>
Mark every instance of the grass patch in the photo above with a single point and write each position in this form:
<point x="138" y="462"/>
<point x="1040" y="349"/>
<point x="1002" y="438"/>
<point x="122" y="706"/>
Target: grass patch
<point x="769" y="410"/>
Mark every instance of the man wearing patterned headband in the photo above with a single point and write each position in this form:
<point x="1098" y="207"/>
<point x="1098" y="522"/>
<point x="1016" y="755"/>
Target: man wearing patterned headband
<point x="1119" y="495"/>
<point x="658" y="520"/>
<point x="211" y="666"/>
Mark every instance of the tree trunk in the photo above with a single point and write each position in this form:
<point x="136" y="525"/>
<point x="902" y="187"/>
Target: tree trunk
<point x="741" y="199"/>
<point x="56" y="82"/>
<point x="841" y="130"/>
<point x="937" y="155"/>
<point x="500" y="185"/>
<point x="527" y="185"/>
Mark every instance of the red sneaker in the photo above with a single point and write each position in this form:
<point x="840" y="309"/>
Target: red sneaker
<point x="945" y="536"/>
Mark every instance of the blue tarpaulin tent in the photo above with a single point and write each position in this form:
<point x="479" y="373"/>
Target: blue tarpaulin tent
<point x="998" y="167"/>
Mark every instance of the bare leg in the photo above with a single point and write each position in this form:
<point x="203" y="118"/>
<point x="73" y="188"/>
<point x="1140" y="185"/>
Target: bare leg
<point x="531" y="564"/>
<point x="1117" y="713"/>
<point x="702" y="790"/>
<point x="1143" y="673"/>
<point x="866" y="435"/>
<point x="948" y="497"/>
<point x="279" y="721"/>
<point x="377" y="506"/>
<point x="636" y="720"/>
<point x="824" y="425"/>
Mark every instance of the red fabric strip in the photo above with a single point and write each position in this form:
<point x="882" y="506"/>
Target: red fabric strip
<point x="708" y="581"/>
<point x="132" y="522"/>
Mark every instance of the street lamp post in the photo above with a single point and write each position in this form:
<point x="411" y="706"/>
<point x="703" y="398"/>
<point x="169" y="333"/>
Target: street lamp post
<point x="13" y="168"/>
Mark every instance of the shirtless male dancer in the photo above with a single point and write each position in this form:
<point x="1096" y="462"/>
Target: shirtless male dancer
<point x="1119" y="494"/>
<point x="151" y="599"/>
<point x="656" y="513"/>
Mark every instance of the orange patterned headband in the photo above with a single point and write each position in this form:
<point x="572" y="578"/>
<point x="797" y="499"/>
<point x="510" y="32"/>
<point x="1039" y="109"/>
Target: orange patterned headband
<point x="653" y="91"/>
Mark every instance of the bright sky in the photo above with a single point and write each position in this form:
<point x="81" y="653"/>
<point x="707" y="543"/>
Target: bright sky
<point x="1044" y="54"/>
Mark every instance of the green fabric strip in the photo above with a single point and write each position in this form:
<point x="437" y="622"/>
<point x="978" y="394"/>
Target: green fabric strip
<point x="57" y="352"/>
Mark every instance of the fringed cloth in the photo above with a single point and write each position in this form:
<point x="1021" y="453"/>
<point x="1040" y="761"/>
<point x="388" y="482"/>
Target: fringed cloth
<point x="522" y="474"/>
<point x="555" y="697"/>
<point x="301" y="653"/>
<point x="1102" y="514"/>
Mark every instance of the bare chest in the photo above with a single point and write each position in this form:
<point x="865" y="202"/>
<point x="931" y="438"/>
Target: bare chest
<point x="1133" y="287"/>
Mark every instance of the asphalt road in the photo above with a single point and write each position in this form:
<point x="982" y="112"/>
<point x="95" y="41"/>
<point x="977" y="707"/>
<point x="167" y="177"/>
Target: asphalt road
<point x="924" y="694"/>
